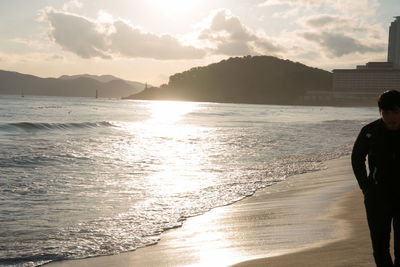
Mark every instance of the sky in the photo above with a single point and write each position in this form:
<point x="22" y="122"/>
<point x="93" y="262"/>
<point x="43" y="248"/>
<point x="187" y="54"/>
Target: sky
<point x="149" y="40"/>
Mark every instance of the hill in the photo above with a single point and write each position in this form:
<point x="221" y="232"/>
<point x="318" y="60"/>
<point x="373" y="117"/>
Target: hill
<point x="14" y="83"/>
<point x="258" y="80"/>
<point x="104" y="79"/>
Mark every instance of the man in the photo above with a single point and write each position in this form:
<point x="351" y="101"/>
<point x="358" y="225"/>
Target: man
<point x="380" y="140"/>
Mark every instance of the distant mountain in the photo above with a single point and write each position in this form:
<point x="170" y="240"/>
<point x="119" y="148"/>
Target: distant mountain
<point x="103" y="79"/>
<point x="258" y="80"/>
<point x="14" y="83"/>
<point x="100" y="78"/>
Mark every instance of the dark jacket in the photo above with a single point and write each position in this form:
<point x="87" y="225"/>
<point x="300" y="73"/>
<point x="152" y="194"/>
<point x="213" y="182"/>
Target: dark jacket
<point x="383" y="149"/>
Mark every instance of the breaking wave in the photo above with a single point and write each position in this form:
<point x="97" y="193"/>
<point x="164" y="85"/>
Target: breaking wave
<point x="37" y="126"/>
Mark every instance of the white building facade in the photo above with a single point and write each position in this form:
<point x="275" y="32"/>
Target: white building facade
<point x="369" y="82"/>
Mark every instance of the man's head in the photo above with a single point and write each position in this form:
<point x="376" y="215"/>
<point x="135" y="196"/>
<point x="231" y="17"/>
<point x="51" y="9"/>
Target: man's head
<point x="389" y="108"/>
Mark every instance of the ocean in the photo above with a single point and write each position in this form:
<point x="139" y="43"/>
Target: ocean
<point x="82" y="177"/>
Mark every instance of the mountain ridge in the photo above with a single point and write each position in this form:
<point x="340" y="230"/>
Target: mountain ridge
<point x="102" y="78"/>
<point x="12" y="82"/>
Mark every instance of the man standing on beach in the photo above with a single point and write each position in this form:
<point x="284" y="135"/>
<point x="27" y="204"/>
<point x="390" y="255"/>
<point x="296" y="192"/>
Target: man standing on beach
<point x="380" y="140"/>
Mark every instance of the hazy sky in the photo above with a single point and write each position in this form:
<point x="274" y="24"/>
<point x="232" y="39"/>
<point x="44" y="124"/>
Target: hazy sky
<point x="148" y="40"/>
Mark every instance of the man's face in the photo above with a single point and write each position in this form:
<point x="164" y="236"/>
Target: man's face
<point x="391" y="118"/>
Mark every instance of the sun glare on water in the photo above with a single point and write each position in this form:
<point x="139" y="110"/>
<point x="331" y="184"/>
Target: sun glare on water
<point x="170" y="111"/>
<point x="164" y="119"/>
<point x="179" y="159"/>
<point x="167" y="136"/>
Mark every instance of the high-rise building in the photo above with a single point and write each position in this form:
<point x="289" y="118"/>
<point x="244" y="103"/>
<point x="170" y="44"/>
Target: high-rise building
<point x="365" y="83"/>
<point x="394" y="43"/>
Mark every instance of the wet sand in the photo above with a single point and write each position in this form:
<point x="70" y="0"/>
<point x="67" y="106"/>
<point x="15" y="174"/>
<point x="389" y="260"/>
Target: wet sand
<point x="354" y="250"/>
<point x="312" y="219"/>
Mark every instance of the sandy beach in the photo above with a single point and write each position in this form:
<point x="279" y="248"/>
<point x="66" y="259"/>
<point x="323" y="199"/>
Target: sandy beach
<point x="312" y="219"/>
<point x="354" y="250"/>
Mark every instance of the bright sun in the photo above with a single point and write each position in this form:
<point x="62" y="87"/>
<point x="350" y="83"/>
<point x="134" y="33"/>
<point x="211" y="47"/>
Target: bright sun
<point x="175" y="6"/>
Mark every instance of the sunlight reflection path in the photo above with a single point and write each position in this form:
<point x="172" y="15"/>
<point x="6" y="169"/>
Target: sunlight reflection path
<point x="166" y="112"/>
<point x="172" y="144"/>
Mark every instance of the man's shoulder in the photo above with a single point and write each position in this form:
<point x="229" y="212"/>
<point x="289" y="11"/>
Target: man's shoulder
<point x="372" y="129"/>
<point x="377" y="124"/>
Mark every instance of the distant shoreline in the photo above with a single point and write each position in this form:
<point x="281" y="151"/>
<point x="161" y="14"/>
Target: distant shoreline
<point x="311" y="103"/>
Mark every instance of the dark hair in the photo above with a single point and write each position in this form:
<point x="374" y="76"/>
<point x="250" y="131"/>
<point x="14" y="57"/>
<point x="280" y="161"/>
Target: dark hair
<point x="389" y="100"/>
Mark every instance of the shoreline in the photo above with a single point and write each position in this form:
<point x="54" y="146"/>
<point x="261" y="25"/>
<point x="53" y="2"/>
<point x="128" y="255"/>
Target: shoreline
<point x="301" y="216"/>
<point x="354" y="250"/>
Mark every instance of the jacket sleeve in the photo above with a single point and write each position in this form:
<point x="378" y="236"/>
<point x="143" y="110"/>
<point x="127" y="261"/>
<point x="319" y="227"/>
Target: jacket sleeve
<point x="358" y="157"/>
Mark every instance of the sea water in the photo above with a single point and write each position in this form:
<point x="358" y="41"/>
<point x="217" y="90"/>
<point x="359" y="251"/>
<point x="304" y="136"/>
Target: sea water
<point x="83" y="177"/>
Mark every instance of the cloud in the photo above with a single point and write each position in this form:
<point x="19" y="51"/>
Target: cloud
<point x="228" y="36"/>
<point x="338" y="24"/>
<point x="325" y="20"/>
<point x="55" y="57"/>
<point x="77" y="34"/>
<point x="339" y="44"/>
<point x="72" y="4"/>
<point x="340" y="35"/>
<point x="342" y="24"/>
<point x="133" y="42"/>
<point x="294" y="12"/>
<point x="348" y="7"/>
<point x="106" y="37"/>
<point x="33" y="44"/>
<point x="359" y="8"/>
<point x="306" y="3"/>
